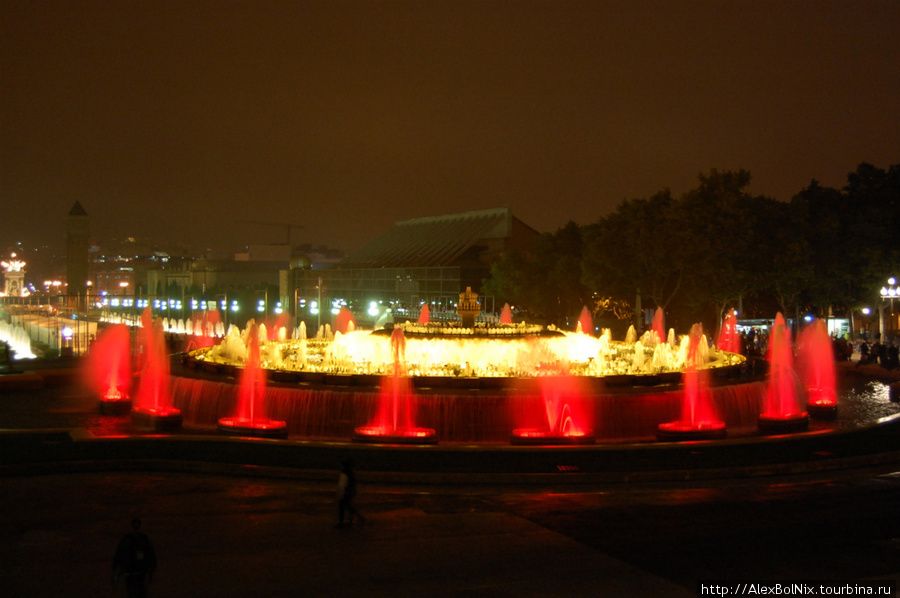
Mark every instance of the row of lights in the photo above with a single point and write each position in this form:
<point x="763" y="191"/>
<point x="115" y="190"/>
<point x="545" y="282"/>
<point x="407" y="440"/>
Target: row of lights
<point x="176" y="304"/>
<point x="887" y="293"/>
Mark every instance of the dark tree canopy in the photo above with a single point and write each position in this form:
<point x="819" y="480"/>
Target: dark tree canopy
<point x="827" y="251"/>
<point x="547" y="283"/>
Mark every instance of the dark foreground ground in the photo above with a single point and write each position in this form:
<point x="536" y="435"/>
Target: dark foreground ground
<point x="254" y="530"/>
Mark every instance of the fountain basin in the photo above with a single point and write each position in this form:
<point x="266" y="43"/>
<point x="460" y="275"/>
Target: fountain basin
<point x="115" y="406"/>
<point x="413" y="435"/>
<point x="681" y="431"/>
<point x="539" y="437"/>
<point x="195" y="361"/>
<point x="824" y="410"/>
<point x="463" y="413"/>
<point x="257" y="428"/>
<point x="166" y="419"/>
<point x="783" y="423"/>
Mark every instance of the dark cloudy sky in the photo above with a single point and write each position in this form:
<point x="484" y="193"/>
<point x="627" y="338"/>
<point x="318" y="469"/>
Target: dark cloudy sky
<point x="186" y="119"/>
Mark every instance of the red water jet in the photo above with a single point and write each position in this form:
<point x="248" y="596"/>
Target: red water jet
<point x="698" y="420"/>
<point x="283" y="320"/>
<point x="659" y="325"/>
<point x="424" y="314"/>
<point x="250" y="419"/>
<point x="729" y="339"/>
<point x="782" y="411"/>
<point x="585" y="321"/>
<point x="344" y="321"/>
<point x="394" y="422"/>
<point x="566" y="415"/>
<point x="815" y="361"/>
<point x="506" y="314"/>
<point x="202" y="331"/>
<point x="108" y="369"/>
<point x="153" y="406"/>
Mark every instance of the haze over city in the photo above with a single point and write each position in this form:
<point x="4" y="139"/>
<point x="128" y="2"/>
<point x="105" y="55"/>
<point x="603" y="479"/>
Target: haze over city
<point x="196" y="120"/>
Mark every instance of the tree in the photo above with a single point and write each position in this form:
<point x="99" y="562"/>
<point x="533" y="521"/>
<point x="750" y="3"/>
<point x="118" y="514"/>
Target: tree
<point x="718" y="219"/>
<point x="826" y="220"/>
<point x="547" y="283"/>
<point x="780" y="263"/>
<point x="639" y="248"/>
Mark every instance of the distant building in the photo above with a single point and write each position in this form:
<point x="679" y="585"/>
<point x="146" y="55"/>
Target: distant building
<point x="429" y="259"/>
<point x="78" y="232"/>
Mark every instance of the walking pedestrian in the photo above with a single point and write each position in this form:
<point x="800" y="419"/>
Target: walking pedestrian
<point x="136" y="560"/>
<point x="346" y="492"/>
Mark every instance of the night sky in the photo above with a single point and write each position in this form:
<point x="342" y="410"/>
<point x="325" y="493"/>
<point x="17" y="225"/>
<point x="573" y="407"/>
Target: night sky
<point x="193" y="119"/>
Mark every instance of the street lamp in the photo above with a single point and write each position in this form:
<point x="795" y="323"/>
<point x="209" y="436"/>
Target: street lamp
<point x="889" y="293"/>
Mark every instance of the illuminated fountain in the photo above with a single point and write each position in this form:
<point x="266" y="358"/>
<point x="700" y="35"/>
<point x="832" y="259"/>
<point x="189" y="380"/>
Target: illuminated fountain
<point x="562" y="414"/>
<point x="659" y="325"/>
<point x="729" y="339"/>
<point x="344" y="322"/>
<point x="202" y="330"/>
<point x="250" y="419"/>
<point x="472" y="381"/>
<point x="394" y="422"/>
<point x="18" y="340"/>
<point x="585" y="322"/>
<point x="152" y="407"/>
<point x="815" y="361"/>
<point x="698" y="422"/>
<point x="782" y="403"/>
<point x="108" y="369"/>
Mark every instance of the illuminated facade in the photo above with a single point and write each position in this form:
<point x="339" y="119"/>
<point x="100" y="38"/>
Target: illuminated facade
<point x="13" y="277"/>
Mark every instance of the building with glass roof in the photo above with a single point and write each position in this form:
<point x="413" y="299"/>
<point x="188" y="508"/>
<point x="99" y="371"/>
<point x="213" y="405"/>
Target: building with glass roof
<point x="424" y="260"/>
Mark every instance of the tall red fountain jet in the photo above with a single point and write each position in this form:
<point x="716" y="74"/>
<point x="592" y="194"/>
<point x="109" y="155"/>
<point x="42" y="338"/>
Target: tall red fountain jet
<point x="782" y="404"/>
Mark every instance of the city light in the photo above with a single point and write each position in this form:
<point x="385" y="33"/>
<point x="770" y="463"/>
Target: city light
<point x="889" y="293"/>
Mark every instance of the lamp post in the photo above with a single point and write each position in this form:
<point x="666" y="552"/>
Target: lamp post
<point x="222" y="303"/>
<point x="319" y="312"/>
<point x="889" y="293"/>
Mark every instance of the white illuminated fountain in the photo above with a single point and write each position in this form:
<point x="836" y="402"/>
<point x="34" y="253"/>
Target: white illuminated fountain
<point x="18" y="340"/>
<point x="449" y="350"/>
<point x="14" y="286"/>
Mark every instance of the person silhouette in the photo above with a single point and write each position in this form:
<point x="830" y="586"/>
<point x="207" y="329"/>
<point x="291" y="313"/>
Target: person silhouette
<point x="136" y="560"/>
<point x="346" y="492"/>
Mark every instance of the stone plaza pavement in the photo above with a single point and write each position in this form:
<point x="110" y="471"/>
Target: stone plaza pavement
<point x="232" y="531"/>
<point x="233" y="536"/>
<point x="244" y="535"/>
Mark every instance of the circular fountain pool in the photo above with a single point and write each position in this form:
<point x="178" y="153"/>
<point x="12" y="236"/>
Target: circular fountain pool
<point x="477" y="384"/>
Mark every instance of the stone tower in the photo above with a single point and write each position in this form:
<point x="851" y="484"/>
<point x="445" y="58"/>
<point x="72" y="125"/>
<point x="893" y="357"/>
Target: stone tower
<point x="78" y="234"/>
